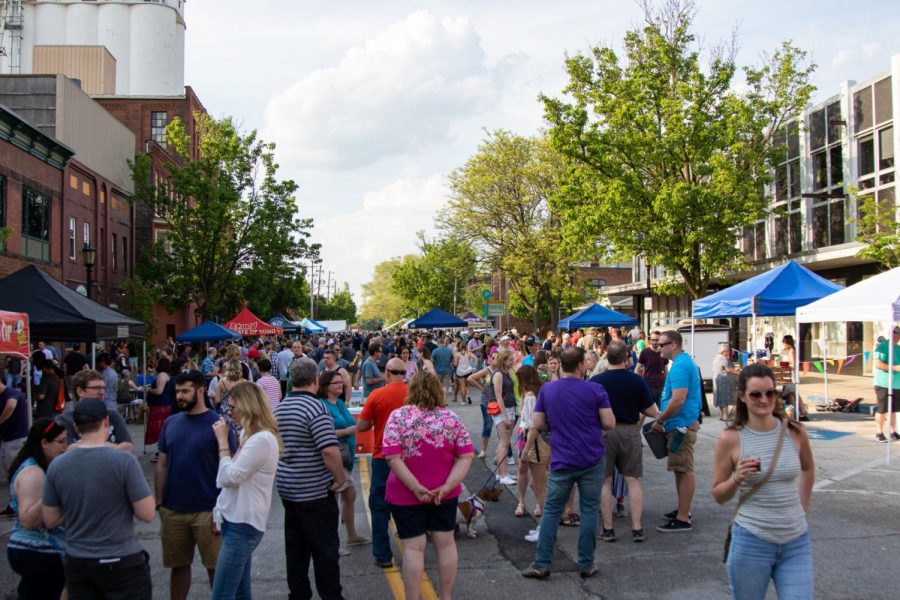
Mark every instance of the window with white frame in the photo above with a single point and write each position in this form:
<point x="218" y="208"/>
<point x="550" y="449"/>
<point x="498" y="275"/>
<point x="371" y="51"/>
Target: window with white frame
<point x="874" y="130"/>
<point x="86" y="233"/>
<point x="72" y="250"/>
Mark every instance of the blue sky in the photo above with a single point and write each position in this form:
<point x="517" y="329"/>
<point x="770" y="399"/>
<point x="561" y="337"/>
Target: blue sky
<point x="373" y="103"/>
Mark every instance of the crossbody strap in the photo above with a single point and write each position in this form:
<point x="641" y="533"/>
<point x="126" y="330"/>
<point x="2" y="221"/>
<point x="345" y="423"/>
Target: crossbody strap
<point x="758" y="485"/>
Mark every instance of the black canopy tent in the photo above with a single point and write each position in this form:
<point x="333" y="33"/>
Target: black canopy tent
<point x="59" y="313"/>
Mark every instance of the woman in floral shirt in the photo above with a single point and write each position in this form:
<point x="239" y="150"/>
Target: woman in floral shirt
<point x="429" y="452"/>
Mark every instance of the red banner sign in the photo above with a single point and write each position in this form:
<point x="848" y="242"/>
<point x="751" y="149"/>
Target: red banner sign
<point x="14" y="334"/>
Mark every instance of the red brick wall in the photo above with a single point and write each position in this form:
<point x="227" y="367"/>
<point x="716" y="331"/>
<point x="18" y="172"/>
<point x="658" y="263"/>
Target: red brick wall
<point x="19" y="168"/>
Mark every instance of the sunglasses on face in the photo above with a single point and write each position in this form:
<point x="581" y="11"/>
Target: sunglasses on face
<point x="664" y="344"/>
<point x="769" y="394"/>
<point x="396" y="372"/>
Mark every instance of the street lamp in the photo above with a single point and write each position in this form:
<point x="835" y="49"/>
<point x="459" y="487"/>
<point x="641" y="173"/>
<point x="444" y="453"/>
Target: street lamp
<point x="89" y="255"/>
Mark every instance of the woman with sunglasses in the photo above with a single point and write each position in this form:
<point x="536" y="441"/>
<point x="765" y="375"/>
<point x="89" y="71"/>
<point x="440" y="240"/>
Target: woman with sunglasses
<point x="35" y="552"/>
<point x="765" y="548"/>
<point x="331" y="390"/>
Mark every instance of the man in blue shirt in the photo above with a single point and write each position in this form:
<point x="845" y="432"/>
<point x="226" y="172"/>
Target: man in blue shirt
<point x="533" y="347"/>
<point x="681" y="402"/>
<point x="371" y="375"/>
<point x="442" y="357"/>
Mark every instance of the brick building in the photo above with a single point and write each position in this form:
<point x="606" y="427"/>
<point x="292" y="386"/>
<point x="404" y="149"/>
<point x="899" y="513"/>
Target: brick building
<point x="31" y="172"/>
<point x="147" y="118"/>
<point x="96" y="184"/>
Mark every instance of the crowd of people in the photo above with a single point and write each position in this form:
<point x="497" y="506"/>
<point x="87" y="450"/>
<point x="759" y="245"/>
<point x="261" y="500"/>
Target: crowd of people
<point x="235" y="422"/>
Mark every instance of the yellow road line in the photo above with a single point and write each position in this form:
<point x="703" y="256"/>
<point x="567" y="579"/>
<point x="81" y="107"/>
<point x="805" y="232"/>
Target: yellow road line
<point x="394" y="578"/>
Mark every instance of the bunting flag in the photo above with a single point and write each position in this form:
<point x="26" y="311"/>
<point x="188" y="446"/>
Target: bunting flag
<point x="805" y="367"/>
<point x="850" y="359"/>
<point x="744" y="357"/>
<point x="831" y="361"/>
<point x="818" y="366"/>
<point x="866" y="355"/>
<point x="840" y="364"/>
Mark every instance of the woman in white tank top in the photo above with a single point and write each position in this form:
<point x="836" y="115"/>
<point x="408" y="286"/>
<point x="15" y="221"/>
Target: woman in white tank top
<point x="770" y="538"/>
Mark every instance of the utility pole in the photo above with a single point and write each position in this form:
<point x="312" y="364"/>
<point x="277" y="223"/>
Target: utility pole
<point x="328" y="288"/>
<point x="454" y="295"/>
<point x="312" y="275"/>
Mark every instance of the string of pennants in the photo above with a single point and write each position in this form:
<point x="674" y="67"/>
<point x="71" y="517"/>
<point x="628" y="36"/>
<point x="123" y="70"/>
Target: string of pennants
<point x="817" y="364"/>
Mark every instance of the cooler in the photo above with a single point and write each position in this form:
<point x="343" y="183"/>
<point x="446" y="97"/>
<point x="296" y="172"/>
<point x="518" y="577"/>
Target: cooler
<point x="365" y="441"/>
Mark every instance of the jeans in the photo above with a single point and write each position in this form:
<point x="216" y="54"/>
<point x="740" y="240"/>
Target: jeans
<point x="487" y="422"/>
<point x="752" y="563"/>
<point x="126" y="579"/>
<point x="311" y="531"/>
<point x="239" y="540"/>
<point x="590" y="482"/>
<point x="42" y="573"/>
<point x="381" y="512"/>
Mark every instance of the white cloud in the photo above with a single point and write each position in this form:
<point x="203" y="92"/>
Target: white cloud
<point x="842" y="57"/>
<point x="399" y="92"/>
<point x="384" y="226"/>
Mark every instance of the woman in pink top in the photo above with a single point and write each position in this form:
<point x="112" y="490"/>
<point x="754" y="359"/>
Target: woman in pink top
<point x="429" y="452"/>
<point x="268" y="383"/>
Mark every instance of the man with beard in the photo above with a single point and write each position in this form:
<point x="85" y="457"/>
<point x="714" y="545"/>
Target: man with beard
<point x="185" y="481"/>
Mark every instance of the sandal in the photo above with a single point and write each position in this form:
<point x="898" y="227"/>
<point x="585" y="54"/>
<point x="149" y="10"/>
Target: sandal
<point x="537" y="511"/>
<point x="481" y="456"/>
<point x="573" y="520"/>
<point x="520" y="510"/>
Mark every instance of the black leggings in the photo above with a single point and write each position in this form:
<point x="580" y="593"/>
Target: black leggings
<point x="42" y="573"/>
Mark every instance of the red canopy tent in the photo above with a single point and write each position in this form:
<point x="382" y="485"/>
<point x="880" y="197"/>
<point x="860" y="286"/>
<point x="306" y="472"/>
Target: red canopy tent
<point x="246" y="323"/>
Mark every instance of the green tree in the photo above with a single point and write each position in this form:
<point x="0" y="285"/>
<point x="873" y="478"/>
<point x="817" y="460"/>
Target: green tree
<point x="340" y="307"/>
<point x="438" y="277"/>
<point x="499" y="203"/>
<point x="142" y="297"/>
<point x="877" y="227"/>
<point x="379" y="300"/>
<point x="665" y="158"/>
<point x="229" y="221"/>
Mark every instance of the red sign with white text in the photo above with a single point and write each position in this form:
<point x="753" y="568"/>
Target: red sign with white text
<point x="14" y="333"/>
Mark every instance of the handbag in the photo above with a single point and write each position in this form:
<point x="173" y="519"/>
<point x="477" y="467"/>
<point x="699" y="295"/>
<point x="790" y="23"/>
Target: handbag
<point x="493" y="408"/>
<point x="756" y="487"/>
<point x="345" y="455"/>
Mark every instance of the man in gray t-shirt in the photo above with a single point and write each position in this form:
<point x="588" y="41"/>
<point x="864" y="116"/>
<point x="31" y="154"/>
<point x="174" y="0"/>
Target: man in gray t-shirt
<point x="96" y="492"/>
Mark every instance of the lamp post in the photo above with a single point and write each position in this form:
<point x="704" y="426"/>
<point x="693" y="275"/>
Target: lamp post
<point x="647" y="308"/>
<point x="89" y="255"/>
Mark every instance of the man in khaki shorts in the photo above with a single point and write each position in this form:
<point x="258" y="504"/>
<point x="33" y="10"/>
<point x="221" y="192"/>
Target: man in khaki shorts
<point x="681" y="402"/>
<point x="185" y="482"/>
<point x="629" y="396"/>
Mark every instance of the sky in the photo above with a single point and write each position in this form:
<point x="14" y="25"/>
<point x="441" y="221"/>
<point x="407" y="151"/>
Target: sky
<point x="372" y="104"/>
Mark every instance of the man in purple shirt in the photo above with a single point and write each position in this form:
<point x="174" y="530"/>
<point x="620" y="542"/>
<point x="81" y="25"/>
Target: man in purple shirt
<point x="575" y="412"/>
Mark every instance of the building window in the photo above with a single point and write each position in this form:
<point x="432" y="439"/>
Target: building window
<point x="124" y="254"/>
<point x="73" y="182"/>
<point x="102" y="249"/>
<point x="788" y="227"/>
<point x="35" y="224"/>
<point x="115" y="249"/>
<point x="86" y="188"/>
<point x="754" y="242"/>
<point x="158" y="122"/>
<point x="874" y="129"/>
<point x="86" y="233"/>
<point x="828" y="214"/>
<point x="102" y="196"/>
<point x="71" y="238"/>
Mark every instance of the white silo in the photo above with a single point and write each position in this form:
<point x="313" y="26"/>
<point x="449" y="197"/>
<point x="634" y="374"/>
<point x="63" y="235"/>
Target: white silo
<point x="146" y="38"/>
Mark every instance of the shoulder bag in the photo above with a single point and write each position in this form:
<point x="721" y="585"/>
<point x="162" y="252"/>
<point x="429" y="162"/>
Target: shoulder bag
<point x="756" y="487"/>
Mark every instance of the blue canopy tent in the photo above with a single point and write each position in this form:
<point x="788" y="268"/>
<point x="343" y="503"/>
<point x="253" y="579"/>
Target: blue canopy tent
<point x="289" y="327"/>
<point x="437" y="319"/>
<point x="595" y="315"/>
<point x="311" y="326"/>
<point x="207" y="332"/>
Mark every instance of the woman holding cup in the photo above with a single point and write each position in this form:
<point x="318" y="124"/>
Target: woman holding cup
<point x="765" y="460"/>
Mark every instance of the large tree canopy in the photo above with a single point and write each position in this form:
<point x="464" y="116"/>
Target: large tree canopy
<point x="231" y="226"/>
<point x="438" y="277"/>
<point x="666" y="159"/>
<point x="499" y="204"/>
<point x="380" y="302"/>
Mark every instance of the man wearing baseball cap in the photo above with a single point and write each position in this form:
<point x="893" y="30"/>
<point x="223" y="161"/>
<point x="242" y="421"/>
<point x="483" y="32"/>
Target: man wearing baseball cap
<point x="97" y="491"/>
<point x="533" y="345"/>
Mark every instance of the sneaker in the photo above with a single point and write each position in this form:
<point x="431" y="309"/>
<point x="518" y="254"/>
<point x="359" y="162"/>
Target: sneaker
<point x="880" y="438"/>
<point x="507" y="480"/>
<point x="533" y="535"/>
<point x="895" y="436"/>
<point x="674" y="525"/>
<point x="669" y="516"/>
<point x="384" y="564"/>
<point x="343" y="551"/>
<point x="608" y="535"/>
<point x="468" y="400"/>
<point x="511" y="461"/>
<point x="620" y="511"/>
<point x="637" y="535"/>
<point x="535" y="572"/>
<point x="589" y="572"/>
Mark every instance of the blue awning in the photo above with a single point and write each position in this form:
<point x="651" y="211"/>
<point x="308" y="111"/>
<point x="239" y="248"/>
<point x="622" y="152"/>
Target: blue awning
<point x="596" y="315"/>
<point x="777" y="292"/>
<point x="436" y="318"/>
<point x="207" y="332"/>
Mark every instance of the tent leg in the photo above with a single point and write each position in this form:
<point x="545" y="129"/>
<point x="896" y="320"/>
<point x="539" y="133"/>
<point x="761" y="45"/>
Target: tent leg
<point x="751" y="339"/>
<point x="144" y="412"/>
<point x="28" y="388"/>
<point x="890" y="406"/>
<point x="797" y="369"/>
<point x="825" y="362"/>
<point x="94" y="355"/>
<point x="693" y="352"/>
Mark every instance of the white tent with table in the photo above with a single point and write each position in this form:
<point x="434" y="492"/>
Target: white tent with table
<point x="875" y="299"/>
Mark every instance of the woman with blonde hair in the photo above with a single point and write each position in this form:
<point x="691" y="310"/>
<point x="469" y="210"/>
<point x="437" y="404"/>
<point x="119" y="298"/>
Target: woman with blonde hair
<point x="429" y="452"/>
<point x="231" y="376"/>
<point x="534" y="451"/>
<point x="246" y="481"/>
<point x="500" y="389"/>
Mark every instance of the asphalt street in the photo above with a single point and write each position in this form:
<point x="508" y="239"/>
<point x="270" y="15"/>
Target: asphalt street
<point x="854" y="519"/>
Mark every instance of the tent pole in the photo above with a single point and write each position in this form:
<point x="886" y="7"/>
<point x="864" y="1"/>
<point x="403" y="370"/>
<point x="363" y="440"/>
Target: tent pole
<point x="751" y="339"/>
<point x="144" y="412"/>
<point x="693" y="353"/>
<point x="797" y="368"/>
<point x="94" y="355"/>
<point x="28" y="386"/>
<point x="825" y="361"/>
<point x="890" y="398"/>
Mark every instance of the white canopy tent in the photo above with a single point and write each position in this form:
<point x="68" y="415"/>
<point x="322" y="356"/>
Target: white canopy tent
<point x="875" y="299"/>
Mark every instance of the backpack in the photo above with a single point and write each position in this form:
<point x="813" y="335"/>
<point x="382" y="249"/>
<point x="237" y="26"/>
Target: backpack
<point x="61" y="396"/>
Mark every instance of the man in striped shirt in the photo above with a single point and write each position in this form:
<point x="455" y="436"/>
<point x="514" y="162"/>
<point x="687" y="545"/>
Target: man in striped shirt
<point x="309" y="473"/>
